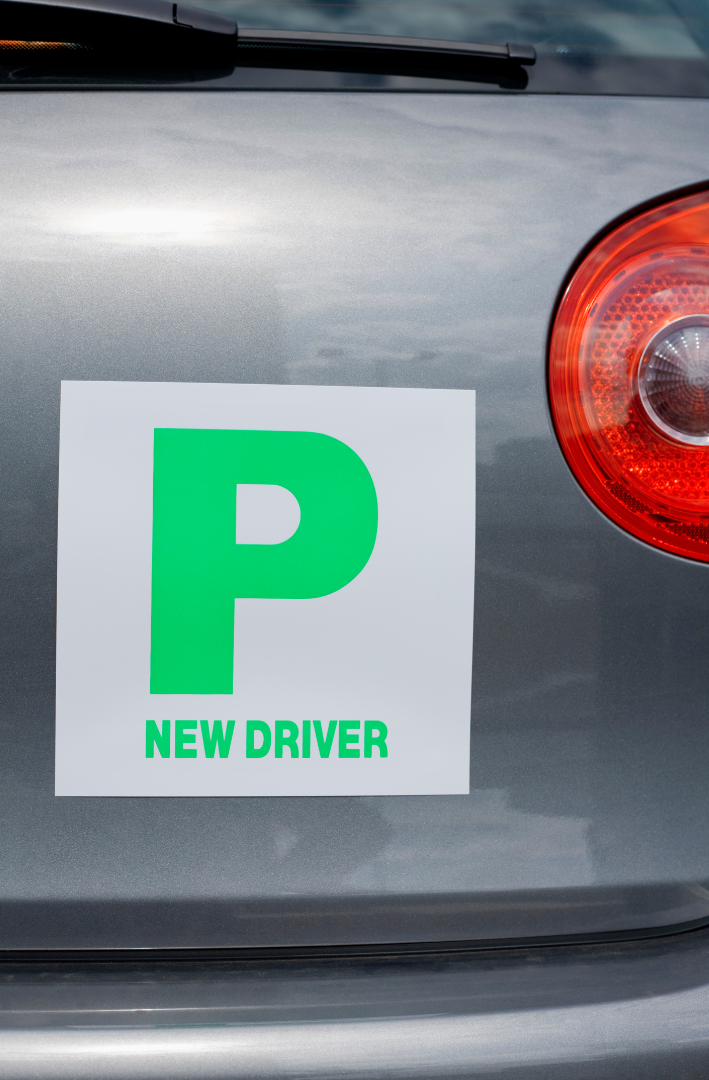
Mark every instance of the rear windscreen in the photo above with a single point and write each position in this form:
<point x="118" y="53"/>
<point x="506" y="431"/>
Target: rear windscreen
<point x="637" y="47"/>
<point x="581" y="29"/>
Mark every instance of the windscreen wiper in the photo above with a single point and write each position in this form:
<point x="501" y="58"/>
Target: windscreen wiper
<point x="156" y="35"/>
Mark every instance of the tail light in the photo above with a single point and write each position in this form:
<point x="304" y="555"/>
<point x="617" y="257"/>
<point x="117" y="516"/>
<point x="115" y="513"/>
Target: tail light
<point x="629" y="375"/>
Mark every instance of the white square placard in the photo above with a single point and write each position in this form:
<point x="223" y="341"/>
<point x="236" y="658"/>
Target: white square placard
<point x="264" y="590"/>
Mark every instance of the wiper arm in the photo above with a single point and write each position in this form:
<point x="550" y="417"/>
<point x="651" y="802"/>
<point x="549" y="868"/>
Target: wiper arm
<point x="59" y="41"/>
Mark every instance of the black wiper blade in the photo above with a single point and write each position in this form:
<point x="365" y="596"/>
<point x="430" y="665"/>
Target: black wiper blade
<point x="413" y="48"/>
<point x="500" y="65"/>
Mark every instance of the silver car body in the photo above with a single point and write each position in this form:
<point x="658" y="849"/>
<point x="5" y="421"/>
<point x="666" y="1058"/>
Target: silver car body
<point x="375" y="239"/>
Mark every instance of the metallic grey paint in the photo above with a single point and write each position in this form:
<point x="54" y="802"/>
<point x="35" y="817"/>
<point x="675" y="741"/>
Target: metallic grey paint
<point x="356" y="239"/>
<point x="578" y="1013"/>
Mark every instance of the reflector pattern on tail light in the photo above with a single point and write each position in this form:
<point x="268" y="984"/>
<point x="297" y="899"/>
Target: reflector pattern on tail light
<point x="629" y="375"/>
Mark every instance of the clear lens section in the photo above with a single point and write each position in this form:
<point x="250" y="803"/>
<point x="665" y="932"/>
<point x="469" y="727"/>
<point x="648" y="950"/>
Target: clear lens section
<point x="673" y="380"/>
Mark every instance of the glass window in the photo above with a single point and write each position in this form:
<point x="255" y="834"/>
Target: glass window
<point x="658" y="28"/>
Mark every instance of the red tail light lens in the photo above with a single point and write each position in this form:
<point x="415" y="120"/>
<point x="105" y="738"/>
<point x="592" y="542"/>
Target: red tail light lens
<point x="629" y="376"/>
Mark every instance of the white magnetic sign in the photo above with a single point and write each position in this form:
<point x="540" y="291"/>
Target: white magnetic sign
<point x="264" y="590"/>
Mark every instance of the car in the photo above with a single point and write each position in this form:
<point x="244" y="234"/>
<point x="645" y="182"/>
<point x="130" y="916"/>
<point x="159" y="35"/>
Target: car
<point x="355" y="530"/>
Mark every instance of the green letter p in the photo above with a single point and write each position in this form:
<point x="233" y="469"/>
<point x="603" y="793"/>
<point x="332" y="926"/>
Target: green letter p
<point x="198" y="568"/>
